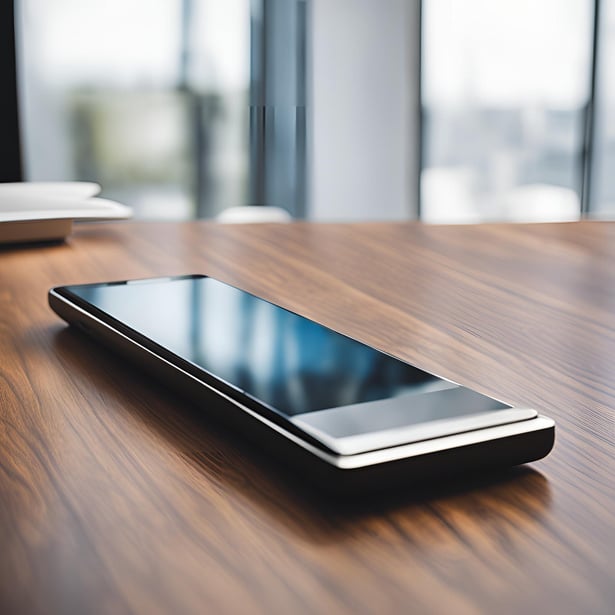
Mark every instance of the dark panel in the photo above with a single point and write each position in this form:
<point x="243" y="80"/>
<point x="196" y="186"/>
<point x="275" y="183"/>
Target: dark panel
<point x="10" y="150"/>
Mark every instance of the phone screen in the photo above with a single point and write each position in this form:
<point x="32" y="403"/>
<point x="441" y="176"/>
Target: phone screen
<point x="298" y="368"/>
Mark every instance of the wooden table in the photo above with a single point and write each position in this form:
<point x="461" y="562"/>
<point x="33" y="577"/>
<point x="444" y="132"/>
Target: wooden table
<point x="115" y="496"/>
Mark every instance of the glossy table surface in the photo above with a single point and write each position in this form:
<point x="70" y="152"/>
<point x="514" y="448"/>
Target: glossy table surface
<point x="118" y="497"/>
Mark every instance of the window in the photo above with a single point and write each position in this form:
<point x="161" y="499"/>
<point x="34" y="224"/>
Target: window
<point x="182" y="108"/>
<point x="148" y="98"/>
<point x="505" y="85"/>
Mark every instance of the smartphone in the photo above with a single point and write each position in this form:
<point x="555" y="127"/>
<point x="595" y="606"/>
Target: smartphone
<point x="346" y="415"/>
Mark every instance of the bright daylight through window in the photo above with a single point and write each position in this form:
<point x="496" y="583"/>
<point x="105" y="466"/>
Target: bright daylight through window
<point x="505" y="86"/>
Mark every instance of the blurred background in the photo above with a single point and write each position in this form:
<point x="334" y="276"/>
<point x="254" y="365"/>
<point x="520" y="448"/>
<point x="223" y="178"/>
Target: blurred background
<point x="441" y="110"/>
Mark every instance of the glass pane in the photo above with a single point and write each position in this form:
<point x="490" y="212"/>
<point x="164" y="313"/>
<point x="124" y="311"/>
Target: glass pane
<point x="148" y="98"/>
<point x="505" y="85"/>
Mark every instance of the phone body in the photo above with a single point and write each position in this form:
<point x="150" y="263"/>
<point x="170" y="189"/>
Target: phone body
<point x="351" y="416"/>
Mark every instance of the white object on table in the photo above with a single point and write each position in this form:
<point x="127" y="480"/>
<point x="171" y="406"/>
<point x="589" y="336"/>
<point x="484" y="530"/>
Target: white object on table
<point x="253" y="213"/>
<point x="45" y="211"/>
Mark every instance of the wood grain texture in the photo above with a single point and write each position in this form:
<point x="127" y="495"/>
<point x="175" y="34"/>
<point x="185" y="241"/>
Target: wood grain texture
<point x="116" y="497"/>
